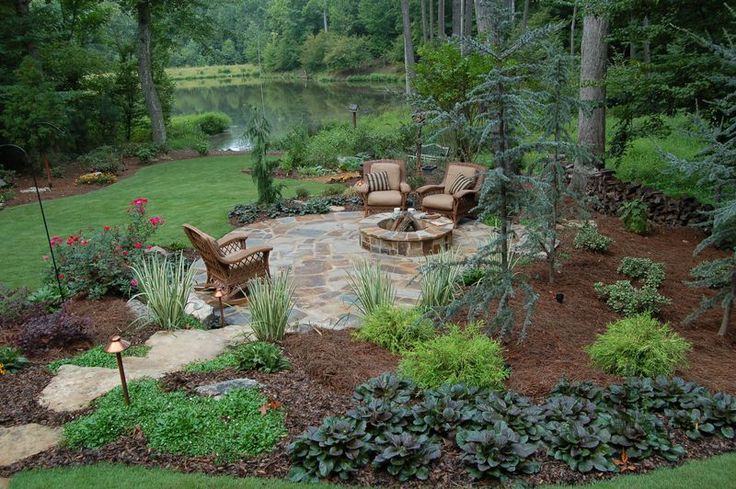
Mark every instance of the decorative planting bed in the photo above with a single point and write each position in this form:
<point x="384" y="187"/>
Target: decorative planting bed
<point x="407" y="235"/>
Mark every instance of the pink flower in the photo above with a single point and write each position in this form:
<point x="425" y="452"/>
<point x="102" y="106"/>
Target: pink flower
<point x="149" y="247"/>
<point x="156" y="220"/>
<point x="84" y="242"/>
<point x="134" y="283"/>
<point x="139" y="202"/>
<point x="56" y="240"/>
<point x="45" y="257"/>
<point x="137" y="245"/>
<point x="124" y="253"/>
<point x="72" y="240"/>
<point x="61" y="276"/>
<point x="106" y="228"/>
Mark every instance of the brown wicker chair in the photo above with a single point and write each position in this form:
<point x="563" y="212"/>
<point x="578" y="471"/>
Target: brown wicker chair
<point x="435" y="199"/>
<point x="230" y="265"/>
<point x="387" y="200"/>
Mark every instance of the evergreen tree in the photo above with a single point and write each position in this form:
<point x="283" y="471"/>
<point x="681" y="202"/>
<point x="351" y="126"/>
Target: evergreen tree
<point x="258" y="131"/>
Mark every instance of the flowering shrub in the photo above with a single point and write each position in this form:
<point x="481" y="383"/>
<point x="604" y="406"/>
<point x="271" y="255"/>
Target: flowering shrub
<point x="99" y="264"/>
<point x="97" y="177"/>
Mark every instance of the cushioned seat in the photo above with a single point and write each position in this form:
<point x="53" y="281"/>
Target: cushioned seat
<point x="439" y="201"/>
<point x="386" y="198"/>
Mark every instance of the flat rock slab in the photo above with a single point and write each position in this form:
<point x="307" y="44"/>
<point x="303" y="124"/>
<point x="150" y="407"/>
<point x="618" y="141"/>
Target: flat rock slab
<point x="219" y="389"/>
<point x="4" y="483"/>
<point x="75" y="387"/>
<point x="19" y="442"/>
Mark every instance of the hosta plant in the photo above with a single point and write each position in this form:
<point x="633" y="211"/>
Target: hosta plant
<point x="672" y="393"/>
<point x="634" y="393"/>
<point x="440" y="414"/>
<point x="405" y="455"/>
<point x="558" y="410"/>
<point x="496" y="453"/>
<point x="338" y="447"/>
<point x="589" y="238"/>
<point x="515" y="410"/>
<point x="585" y="390"/>
<point x="261" y="356"/>
<point x="695" y="422"/>
<point x="723" y="414"/>
<point x="640" y="435"/>
<point x="582" y="447"/>
<point x="381" y="416"/>
<point x="386" y="387"/>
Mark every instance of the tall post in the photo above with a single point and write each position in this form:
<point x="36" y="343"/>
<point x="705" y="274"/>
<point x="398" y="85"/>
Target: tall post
<point x="126" y="397"/>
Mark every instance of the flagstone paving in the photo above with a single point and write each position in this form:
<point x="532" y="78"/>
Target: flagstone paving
<point x="19" y="442"/>
<point x="321" y="249"/>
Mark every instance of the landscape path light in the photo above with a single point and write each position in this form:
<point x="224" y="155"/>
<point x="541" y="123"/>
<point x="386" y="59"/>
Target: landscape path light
<point x="117" y="346"/>
<point x="354" y="108"/>
<point x="219" y="295"/>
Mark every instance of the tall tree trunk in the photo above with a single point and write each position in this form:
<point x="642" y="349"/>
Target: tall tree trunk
<point x="572" y="28"/>
<point x="632" y="44"/>
<point x="22" y="9"/>
<point x="457" y="15"/>
<point x="593" y="67"/>
<point x="467" y="18"/>
<point x="324" y="16"/>
<point x="482" y="16"/>
<point x="408" y="45"/>
<point x="431" y="20"/>
<point x="424" y="20"/>
<point x="441" y="33"/>
<point x="525" y="19"/>
<point x="145" y="73"/>
<point x="646" y="47"/>
<point x="728" y="307"/>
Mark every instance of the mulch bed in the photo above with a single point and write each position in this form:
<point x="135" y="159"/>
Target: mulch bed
<point x="327" y="365"/>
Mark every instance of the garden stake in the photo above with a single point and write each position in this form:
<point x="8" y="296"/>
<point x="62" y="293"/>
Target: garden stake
<point x="117" y="346"/>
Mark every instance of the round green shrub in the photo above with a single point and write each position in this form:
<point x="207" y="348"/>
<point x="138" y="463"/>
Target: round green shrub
<point x="395" y="328"/>
<point x="459" y="357"/>
<point x="639" y="346"/>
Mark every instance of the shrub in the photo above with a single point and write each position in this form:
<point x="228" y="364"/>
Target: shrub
<point x="496" y="453"/>
<point x="58" y="330"/>
<point x="270" y="302"/>
<point x="14" y="306"/>
<point x="439" y="277"/>
<point x="333" y="190"/>
<point x="589" y="238"/>
<point x="49" y="297"/>
<point x="202" y="147"/>
<point x="164" y="285"/>
<point x="634" y="216"/>
<point x="146" y="152"/>
<point x="644" y="269"/>
<point x="386" y="387"/>
<point x="295" y="144"/>
<point x="339" y="446"/>
<point x="372" y="287"/>
<point x="406" y="456"/>
<point x="313" y="51"/>
<point x="231" y="427"/>
<point x="346" y="53"/>
<point x="639" y="346"/>
<point x="302" y="193"/>
<point x="100" y="264"/>
<point x="104" y="159"/>
<point x="96" y="178"/>
<point x="395" y="328"/>
<point x="11" y="360"/>
<point x="628" y="300"/>
<point x="98" y="357"/>
<point x="460" y="356"/>
<point x="261" y="356"/>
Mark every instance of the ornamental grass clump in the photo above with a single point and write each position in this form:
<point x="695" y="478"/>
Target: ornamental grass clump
<point x="164" y="284"/>
<point x="372" y="287"/>
<point x="464" y="356"/>
<point x="271" y="300"/>
<point x="395" y="328"/>
<point x="439" y="279"/>
<point x="639" y="346"/>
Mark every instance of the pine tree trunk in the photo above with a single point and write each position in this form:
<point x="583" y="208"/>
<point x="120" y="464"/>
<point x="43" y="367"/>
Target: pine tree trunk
<point x="572" y="28"/>
<point x="424" y="20"/>
<point x="441" y="19"/>
<point x="646" y="46"/>
<point x="593" y="67"/>
<point x="482" y="16"/>
<point x="468" y="18"/>
<point x="525" y="19"/>
<point x="324" y="17"/>
<point x="457" y="13"/>
<point x="408" y="45"/>
<point x="145" y="72"/>
<point x="431" y="20"/>
<point x="728" y="307"/>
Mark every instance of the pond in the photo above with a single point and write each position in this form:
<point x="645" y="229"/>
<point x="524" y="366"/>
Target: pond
<point x="287" y="104"/>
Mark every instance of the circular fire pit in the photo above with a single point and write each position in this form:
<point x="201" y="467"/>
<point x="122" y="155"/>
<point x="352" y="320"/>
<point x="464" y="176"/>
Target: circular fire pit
<point x="409" y="235"/>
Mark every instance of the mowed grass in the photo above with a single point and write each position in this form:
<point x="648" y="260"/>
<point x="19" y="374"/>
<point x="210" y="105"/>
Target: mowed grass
<point x="715" y="472"/>
<point x="199" y="191"/>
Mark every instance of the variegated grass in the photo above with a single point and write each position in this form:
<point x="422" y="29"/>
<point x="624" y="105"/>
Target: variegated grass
<point x="164" y="284"/>
<point x="440" y="278"/>
<point x="372" y="287"/>
<point x="270" y="302"/>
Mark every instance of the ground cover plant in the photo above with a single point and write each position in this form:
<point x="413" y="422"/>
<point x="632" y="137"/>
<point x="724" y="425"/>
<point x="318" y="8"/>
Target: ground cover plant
<point x="628" y="299"/>
<point x="11" y="360"/>
<point x="589" y="238"/>
<point x="98" y="357"/>
<point x="395" y="328"/>
<point x="244" y="214"/>
<point x="173" y="422"/>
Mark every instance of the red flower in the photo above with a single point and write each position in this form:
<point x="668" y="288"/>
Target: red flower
<point x="124" y="253"/>
<point x="72" y="240"/>
<point x="137" y="245"/>
<point x="149" y="247"/>
<point x="134" y="283"/>
<point x="139" y="202"/>
<point x="106" y="228"/>
<point x="56" y="240"/>
<point x="156" y="220"/>
<point x="45" y="257"/>
<point x="61" y="276"/>
<point x="84" y="242"/>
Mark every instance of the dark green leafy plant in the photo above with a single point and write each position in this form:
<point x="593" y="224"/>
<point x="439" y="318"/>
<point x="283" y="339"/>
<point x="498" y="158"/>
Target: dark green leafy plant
<point x="440" y="413"/>
<point x="582" y="447"/>
<point x="589" y="238"/>
<point x="635" y="393"/>
<point x="58" y="330"/>
<point x="338" y="447"/>
<point x="634" y="216"/>
<point x="386" y="387"/>
<point x="97" y="357"/>
<point x="640" y="435"/>
<point x="405" y="455"/>
<point x="11" y="359"/>
<point x="671" y="393"/>
<point x="643" y="269"/>
<point x="584" y="390"/>
<point x="639" y="346"/>
<point x="104" y="159"/>
<point x="624" y="298"/>
<point x="395" y="328"/>
<point x="496" y="453"/>
<point x="515" y="410"/>
<point x="262" y="356"/>
<point x="695" y="422"/>
<point x="558" y="410"/>
<point x="723" y="414"/>
<point x="380" y="416"/>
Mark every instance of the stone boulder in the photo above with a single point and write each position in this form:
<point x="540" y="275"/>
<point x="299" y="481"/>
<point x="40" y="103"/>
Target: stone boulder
<point x="219" y="389"/>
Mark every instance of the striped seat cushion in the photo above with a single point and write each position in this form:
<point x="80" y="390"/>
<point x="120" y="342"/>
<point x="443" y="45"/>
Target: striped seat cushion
<point x="461" y="183"/>
<point x="378" y="181"/>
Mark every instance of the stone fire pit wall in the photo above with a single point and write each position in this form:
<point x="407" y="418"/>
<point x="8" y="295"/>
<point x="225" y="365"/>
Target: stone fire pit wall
<point x="434" y="238"/>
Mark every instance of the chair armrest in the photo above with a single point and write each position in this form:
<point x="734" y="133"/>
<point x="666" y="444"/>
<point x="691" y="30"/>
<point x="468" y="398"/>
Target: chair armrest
<point x="465" y="193"/>
<point x="232" y="236"/>
<point x="430" y="188"/>
<point x="404" y="188"/>
<point x="361" y="187"/>
<point x="241" y="255"/>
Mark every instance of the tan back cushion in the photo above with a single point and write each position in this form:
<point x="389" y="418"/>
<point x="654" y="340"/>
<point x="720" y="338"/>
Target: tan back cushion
<point x="393" y="170"/>
<point x="453" y="171"/>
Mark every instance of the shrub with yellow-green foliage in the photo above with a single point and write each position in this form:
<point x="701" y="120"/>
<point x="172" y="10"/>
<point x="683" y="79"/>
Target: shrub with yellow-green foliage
<point x="395" y="328"/>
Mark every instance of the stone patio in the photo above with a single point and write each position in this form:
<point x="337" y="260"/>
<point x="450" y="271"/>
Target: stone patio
<point x="321" y="250"/>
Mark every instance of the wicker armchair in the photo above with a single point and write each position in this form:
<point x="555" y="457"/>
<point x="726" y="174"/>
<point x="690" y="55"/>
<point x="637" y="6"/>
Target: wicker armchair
<point x="436" y="199"/>
<point x="230" y="265"/>
<point x="386" y="200"/>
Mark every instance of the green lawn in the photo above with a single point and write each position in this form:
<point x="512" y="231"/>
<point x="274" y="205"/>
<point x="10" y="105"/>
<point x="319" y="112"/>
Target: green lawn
<point x="715" y="472"/>
<point x="198" y="191"/>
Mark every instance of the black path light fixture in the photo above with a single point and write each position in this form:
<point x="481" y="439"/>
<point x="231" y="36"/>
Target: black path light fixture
<point x="117" y="346"/>
<point x="19" y="149"/>
<point x="354" y="108"/>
